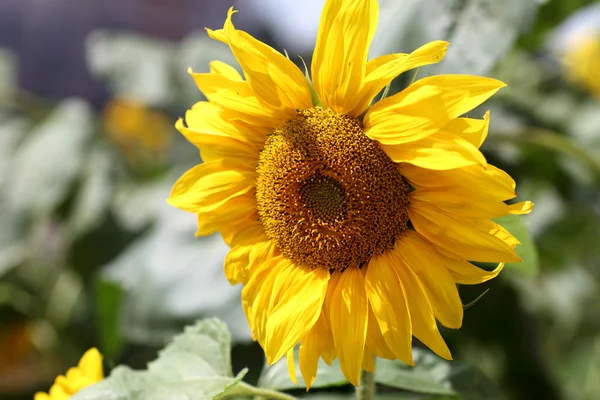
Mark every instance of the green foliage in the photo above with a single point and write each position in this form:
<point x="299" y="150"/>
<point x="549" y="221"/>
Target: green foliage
<point x="480" y="32"/>
<point x="90" y="254"/>
<point x="109" y="299"/>
<point x="435" y="376"/>
<point x="195" y="366"/>
<point x="277" y="376"/>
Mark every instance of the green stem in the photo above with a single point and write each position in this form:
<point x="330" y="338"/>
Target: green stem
<point x="366" y="390"/>
<point x="259" y="393"/>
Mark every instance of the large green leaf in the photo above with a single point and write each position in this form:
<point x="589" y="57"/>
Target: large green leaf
<point x="133" y="65"/>
<point x="93" y="199"/>
<point x="435" y="376"/>
<point x="430" y="374"/>
<point x="195" y="366"/>
<point x="152" y="70"/>
<point x="50" y="159"/>
<point x="480" y="32"/>
<point x="277" y="376"/>
<point x="12" y="250"/>
<point x="169" y="275"/>
<point x="526" y="250"/>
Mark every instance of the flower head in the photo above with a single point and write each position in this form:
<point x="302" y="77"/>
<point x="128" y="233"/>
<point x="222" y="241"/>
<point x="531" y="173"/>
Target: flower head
<point x="141" y="133"/>
<point x="349" y="223"/>
<point x="582" y="63"/>
<point x="576" y="45"/>
<point x="88" y="371"/>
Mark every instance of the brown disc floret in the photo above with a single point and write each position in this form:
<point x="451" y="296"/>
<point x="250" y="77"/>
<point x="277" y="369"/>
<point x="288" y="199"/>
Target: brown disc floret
<point x="327" y="195"/>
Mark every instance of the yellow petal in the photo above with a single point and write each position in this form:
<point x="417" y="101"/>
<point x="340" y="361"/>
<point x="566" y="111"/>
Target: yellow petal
<point x="459" y="204"/>
<point x="468" y="203"/>
<point x="498" y="231"/>
<point x="381" y="70"/>
<point x="375" y="340"/>
<point x="72" y="381"/>
<point x="258" y="293"/>
<point x="215" y="148"/>
<point x="387" y="298"/>
<point x="236" y="261"/>
<point x="245" y="230"/>
<point x="473" y="240"/>
<point x="238" y="99"/>
<point x="91" y="365"/>
<point x="524" y="207"/>
<point x="465" y="273"/>
<point x="426" y="106"/>
<point x="490" y="182"/>
<point x="57" y="392"/>
<point x="330" y="353"/>
<point x="348" y="318"/>
<point x="311" y="348"/>
<point x="41" y="396"/>
<point x="243" y="260"/>
<point x="296" y="311"/>
<point x="208" y="186"/>
<point x="291" y="364"/>
<point x="208" y="119"/>
<point x="423" y="258"/>
<point x="340" y="57"/>
<point x="438" y="151"/>
<point x="472" y="130"/>
<point x="273" y="78"/>
<point x="423" y="322"/>
<point x="368" y="363"/>
<point x="221" y="68"/>
<point x="236" y="213"/>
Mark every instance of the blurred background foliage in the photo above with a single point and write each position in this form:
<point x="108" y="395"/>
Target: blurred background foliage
<point x="91" y="255"/>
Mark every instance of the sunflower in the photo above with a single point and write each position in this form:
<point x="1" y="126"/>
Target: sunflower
<point x="581" y="61"/>
<point x="350" y="223"/>
<point x="88" y="371"/>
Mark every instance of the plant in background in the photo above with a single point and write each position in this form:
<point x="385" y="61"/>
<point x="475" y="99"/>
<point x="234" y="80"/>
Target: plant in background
<point x="141" y="133"/>
<point x="88" y="371"/>
<point x="349" y="223"/>
<point x="576" y="44"/>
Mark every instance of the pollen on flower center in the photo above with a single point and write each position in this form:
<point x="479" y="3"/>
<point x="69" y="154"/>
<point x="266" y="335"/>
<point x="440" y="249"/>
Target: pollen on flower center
<point x="327" y="195"/>
<point x="324" y="197"/>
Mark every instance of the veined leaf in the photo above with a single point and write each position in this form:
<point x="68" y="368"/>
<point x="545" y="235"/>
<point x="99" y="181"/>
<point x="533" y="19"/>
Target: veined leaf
<point x="196" y="365"/>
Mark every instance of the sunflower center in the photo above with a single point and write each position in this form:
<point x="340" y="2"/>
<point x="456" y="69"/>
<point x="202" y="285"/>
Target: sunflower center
<point x="324" y="197"/>
<point x="327" y="195"/>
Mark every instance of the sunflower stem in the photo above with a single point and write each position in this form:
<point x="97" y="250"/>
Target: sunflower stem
<point x="366" y="388"/>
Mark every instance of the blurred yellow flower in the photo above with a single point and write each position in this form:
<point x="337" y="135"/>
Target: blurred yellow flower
<point x="349" y="223"/>
<point x="88" y="371"/>
<point x="582" y="62"/>
<point x="141" y="133"/>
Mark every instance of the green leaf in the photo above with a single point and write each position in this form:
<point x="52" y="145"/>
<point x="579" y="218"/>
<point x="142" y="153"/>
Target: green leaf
<point x="436" y="376"/>
<point x="430" y="374"/>
<point x="12" y="248"/>
<point x="133" y="65"/>
<point x="196" y="365"/>
<point x="480" y="32"/>
<point x="109" y="299"/>
<point x="94" y="197"/>
<point x="192" y="287"/>
<point x="277" y="376"/>
<point x="526" y="250"/>
<point x="471" y="383"/>
<point x="50" y="159"/>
